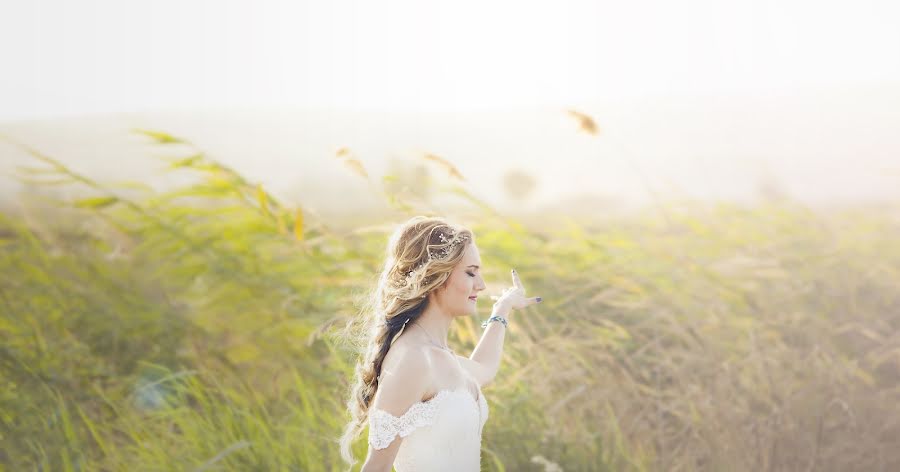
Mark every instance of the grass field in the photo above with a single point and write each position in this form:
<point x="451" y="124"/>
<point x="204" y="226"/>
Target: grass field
<point x="195" y="329"/>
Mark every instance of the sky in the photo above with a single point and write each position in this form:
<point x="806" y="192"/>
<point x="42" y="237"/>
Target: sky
<point x="704" y="97"/>
<point x="65" y="58"/>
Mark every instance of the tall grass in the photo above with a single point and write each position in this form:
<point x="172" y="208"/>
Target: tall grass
<point x="192" y="330"/>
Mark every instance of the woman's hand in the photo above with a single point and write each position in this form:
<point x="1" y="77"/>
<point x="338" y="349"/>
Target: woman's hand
<point x="513" y="297"/>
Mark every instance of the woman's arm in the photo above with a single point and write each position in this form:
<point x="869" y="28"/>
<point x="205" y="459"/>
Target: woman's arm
<point x="488" y="352"/>
<point x="403" y="384"/>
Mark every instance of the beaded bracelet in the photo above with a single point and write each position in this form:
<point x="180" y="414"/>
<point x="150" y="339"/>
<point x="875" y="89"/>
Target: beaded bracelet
<point x="495" y="318"/>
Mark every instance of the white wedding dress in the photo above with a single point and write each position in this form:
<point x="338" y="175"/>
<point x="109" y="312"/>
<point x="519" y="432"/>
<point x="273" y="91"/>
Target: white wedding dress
<point x="442" y="433"/>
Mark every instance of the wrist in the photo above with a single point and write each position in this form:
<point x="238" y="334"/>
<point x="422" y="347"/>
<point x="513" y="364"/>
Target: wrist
<point x="495" y="318"/>
<point x="501" y="310"/>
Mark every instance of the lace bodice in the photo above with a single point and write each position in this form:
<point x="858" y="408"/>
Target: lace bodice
<point x="442" y="433"/>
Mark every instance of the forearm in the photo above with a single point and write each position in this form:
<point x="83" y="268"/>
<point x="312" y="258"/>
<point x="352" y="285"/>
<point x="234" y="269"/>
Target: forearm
<point x="489" y="350"/>
<point x="369" y="467"/>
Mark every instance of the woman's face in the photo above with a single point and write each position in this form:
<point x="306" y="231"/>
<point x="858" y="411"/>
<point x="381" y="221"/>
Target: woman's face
<point x="457" y="294"/>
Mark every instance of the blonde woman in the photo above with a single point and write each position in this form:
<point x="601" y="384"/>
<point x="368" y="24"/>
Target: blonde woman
<point x="422" y="402"/>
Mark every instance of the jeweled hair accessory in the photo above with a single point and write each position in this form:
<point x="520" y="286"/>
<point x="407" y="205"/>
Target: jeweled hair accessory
<point x="440" y="254"/>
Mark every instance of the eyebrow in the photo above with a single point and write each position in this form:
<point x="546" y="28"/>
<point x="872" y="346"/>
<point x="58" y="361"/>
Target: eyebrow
<point x="475" y="266"/>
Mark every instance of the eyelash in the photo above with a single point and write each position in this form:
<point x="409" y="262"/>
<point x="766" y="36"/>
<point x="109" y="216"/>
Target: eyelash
<point x="470" y="274"/>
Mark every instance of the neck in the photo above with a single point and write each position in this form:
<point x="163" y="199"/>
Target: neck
<point x="436" y="323"/>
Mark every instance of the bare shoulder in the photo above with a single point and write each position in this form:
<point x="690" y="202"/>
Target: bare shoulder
<point x="406" y="377"/>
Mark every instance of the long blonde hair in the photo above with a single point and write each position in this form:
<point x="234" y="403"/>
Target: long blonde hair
<point x="421" y="254"/>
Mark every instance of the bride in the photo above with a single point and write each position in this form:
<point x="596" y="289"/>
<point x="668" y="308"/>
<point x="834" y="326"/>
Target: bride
<point x="422" y="402"/>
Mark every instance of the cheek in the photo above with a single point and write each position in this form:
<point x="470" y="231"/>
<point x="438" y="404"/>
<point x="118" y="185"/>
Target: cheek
<point x="464" y="285"/>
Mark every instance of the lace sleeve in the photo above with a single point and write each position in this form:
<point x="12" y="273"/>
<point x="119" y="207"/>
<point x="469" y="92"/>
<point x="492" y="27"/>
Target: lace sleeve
<point x="384" y="427"/>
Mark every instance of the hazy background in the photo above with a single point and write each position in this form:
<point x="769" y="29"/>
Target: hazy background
<point x="701" y="99"/>
<point x="704" y="193"/>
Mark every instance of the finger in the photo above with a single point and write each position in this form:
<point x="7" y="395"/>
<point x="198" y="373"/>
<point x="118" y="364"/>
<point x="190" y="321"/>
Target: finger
<point x="516" y="280"/>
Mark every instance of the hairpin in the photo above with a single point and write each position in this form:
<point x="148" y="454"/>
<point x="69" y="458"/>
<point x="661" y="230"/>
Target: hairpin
<point x="441" y="254"/>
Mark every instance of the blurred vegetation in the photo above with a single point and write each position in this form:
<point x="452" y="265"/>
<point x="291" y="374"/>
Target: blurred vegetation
<point x="189" y="330"/>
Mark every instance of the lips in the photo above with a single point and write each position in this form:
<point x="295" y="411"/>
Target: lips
<point x="473" y="298"/>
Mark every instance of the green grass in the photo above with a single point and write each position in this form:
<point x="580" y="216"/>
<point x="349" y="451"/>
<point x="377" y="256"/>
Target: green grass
<point x="193" y="330"/>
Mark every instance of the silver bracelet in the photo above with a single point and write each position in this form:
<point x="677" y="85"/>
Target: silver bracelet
<point x="495" y="318"/>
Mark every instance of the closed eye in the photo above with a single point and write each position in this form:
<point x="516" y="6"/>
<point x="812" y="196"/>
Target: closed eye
<point x="471" y="274"/>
